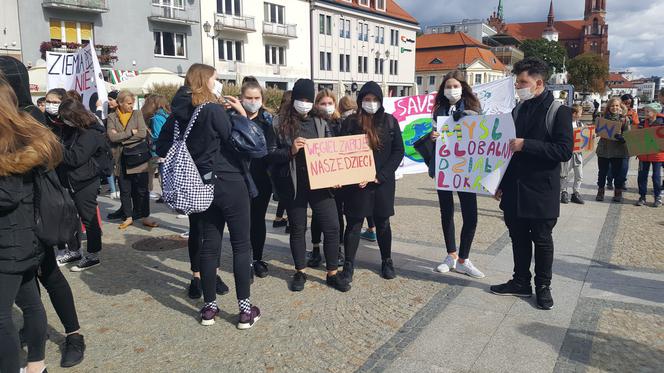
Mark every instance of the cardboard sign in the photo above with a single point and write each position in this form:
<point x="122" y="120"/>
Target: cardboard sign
<point x="472" y="155"/>
<point x="584" y="139"/>
<point x="341" y="160"/>
<point x="645" y="141"/>
<point x="607" y="129"/>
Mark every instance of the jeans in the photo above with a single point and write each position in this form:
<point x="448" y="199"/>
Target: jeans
<point x="230" y="205"/>
<point x="352" y="237"/>
<point x="625" y="168"/>
<point x="21" y="288"/>
<point x="259" y="206"/>
<point x="524" y="233"/>
<point x="315" y="224"/>
<point x="644" y="170"/>
<point x="616" y="165"/>
<point x="134" y="195"/>
<point x="86" y="205"/>
<point x="468" y="212"/>
<point x="59" y="291"/>
<point x="111" y="183"/>
<point x="370" y="222"/>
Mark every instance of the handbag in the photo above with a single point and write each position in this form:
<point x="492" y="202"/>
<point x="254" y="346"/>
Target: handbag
<point x="247" y="138"/>
<point x="136" y="155"/>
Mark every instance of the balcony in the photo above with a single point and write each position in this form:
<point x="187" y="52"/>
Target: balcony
<point x="89" y="6"/>
<point x="105" y="53"/>
<point x="171" y="15"/>
<point x="227" y="22"/>
<point x="278" y="30"/>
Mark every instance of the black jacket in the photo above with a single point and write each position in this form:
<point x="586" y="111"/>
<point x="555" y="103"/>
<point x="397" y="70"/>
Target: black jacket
<point x="17" y="76"/>
<point x="531" y="185"/>
<point x="20" y="250"/>
<point x="77" y="169"/>
<point x="259" y="167"/>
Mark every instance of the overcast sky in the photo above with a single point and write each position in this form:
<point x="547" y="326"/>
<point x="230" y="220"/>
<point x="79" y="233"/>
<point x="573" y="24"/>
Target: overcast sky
<point x="636" y="27"/>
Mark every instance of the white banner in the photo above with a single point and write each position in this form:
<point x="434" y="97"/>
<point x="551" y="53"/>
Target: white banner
<point x="79" y="71"/>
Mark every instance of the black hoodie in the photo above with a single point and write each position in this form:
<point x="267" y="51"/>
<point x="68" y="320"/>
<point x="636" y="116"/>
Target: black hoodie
<point x="17" y="75"/>
<point x="80" y="146"/>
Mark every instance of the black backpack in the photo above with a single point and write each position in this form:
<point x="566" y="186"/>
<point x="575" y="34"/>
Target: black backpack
<point x="56" y="217"/>
<point x="247" y="138"/>
<point x="103" y="158"/>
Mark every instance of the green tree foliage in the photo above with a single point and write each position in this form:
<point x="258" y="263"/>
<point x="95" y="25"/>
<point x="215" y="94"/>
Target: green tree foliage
<point x="550" y="52"/>
<point x="588" y="73"/>
<point x="166" y="90"/>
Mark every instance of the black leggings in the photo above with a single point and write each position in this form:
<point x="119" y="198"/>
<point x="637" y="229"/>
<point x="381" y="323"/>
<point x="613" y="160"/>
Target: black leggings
<point x="616" y="165"/>
<point x="59" y="292"/>
<point x="315" y="225"/>
<point x="134" y="195"/>
<point x="86" y="205"/>
<point x="21" y="288"/>
<point x="468" y="212"/>
<point x="383" y="235"/>
<point x="230" y="205"/>
<point x="193" y="243"/>
<point x="281" y="207"/>
<point x="259" y="206"/>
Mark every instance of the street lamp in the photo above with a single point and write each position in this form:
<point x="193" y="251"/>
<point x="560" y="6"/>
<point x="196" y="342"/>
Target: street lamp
<point x="207" y="27"/>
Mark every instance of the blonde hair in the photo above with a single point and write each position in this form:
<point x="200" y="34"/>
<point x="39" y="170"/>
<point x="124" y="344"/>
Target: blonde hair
<point x="623" y="108"/>
<point x="328" y="93"/>
<point x="124" y="94"/>
<point x="576" y="108"/>
<point x="347" y="103"/>
<point x="196" y="79"/>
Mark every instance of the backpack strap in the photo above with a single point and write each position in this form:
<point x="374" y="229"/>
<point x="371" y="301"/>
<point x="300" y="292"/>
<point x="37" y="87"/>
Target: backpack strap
<point x="551" y="116"/>
<point x="190" y="125"/>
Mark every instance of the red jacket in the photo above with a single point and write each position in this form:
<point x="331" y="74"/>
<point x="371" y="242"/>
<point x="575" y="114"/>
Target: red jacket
<point x="657" y="157"/>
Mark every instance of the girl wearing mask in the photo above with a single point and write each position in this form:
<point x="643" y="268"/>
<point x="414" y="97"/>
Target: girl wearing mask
<point x="297" y="123"/>
<point x="326" y="103"/>
<point x="279" y="220"/>
<point x="210" y="147"/>
<point x="457" y="100"/>
<point x="373" y="197"/>
<point x="611" y="153"/>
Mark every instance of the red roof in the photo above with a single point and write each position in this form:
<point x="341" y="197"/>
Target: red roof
<point x="619" y="81"/>
<point x="447" y="40"/>
<point x="392" y="9"/>
<point x="437" y="52"/>
<point x="567" y="30"/>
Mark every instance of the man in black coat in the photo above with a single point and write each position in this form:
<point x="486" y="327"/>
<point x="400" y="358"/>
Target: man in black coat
<point x="530" y="190"/>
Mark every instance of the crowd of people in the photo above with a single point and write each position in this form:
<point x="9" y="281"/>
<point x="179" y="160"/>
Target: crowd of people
<point x="129" y="146"/>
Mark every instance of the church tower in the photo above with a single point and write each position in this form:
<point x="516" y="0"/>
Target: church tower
<point x="550" y="33"/>
<point x="595" y="29"/>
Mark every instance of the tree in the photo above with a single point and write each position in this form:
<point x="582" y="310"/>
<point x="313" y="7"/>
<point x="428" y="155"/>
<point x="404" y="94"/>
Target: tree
<point x="550" y="52"/>
<point x="588" y="73"/>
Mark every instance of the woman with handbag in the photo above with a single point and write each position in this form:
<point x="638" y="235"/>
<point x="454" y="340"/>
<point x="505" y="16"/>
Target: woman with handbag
<point x="127" y="131"/>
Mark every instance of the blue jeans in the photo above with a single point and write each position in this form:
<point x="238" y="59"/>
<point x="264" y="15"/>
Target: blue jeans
<point x="644" y="170"/>
<point x="111" y="183"/>
<point x="625" y="169"/>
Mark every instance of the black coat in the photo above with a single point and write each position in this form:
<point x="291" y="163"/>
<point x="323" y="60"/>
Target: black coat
<point x="259" y="167"/>
<point x="20" y="250"/>
<point x="376" y="199"/>
<point x="531" y="185"/>
<point x="77" y="169"/>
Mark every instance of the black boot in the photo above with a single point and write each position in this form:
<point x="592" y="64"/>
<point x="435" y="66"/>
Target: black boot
<point x="72" y="351"/>
<point x="387" y="269"/>
<point x="348" y="271"/>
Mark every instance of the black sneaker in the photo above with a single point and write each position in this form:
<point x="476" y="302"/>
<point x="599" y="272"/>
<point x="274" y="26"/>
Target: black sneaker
<point x="260" y="268"/>
<point x="512" y="288"/>
<point x="315" y="259"/>
<point x="85" y="264"/>
<point x="564" y="197"/>
<point x="544" y="299"/>
<point x="576" y="198"/>
<point x="117" y="215"/>
<point x="195" y="290"/>
<point x="338" y="282"/>
<point x="348" y="271"/>
<point x="387" y="269"/>
<point x="72" y="350"/>
<point x="220" y="287"/>
<point x="341" y="258"/>
<point x="278" y="223"/>
<point x="641" y="202"/>
<point x="297" y="284"/>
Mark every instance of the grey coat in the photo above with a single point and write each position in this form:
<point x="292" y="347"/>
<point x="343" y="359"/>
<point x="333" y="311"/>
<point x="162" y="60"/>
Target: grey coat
<point x="123" y="137"/>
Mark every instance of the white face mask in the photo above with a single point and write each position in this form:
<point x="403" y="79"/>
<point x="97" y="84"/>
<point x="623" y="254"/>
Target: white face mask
<point x="330" y="109"/>
<point x="218" y="88"/>
<point x="52" y="108"/>
<point x="525" y="94"/>
<point x="303" y="107"/>
<point x="348" y="113"/>
<point x="453" y="94"/>
<point x="371" y="107"/>
<point x="251" y="106"/>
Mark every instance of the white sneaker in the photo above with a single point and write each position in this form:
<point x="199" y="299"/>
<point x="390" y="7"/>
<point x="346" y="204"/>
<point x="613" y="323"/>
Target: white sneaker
<point x="467" y="268"/>
<point x="185" y="234"/>
<point x="154" y="195"/>
<point x="182" y="216"/>
<point x="448" y="264"/>
<point x="114" y="195"/>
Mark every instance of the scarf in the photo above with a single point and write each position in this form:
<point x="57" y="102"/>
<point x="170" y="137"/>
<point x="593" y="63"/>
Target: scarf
<point x="124" y="118"/>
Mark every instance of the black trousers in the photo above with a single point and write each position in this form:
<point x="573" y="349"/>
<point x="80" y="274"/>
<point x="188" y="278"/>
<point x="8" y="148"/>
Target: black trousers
<point x="21" y="288"/>
<point x="352" y="237"/>
<point x="616" y="165"/>
<point x="134" y="195"/>
<point x="324" y="208"/>
<point x="281" y="207"/>
<point x="230" y="205"/>
<point x="315" y="224"/>
<point x="59" y="292"/>
<point x="193" y="243"/>
<point x="258" y="210"/>
<point x="468" y="212"/>
<point x="525" y="233"/>
<point x="86" y="205"/>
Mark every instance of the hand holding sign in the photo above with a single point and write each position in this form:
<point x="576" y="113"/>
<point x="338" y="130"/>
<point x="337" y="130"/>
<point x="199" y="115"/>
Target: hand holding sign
<point x="608" y="129"/>
<point x="335" y="161"/>
<point x="298" y="144"/>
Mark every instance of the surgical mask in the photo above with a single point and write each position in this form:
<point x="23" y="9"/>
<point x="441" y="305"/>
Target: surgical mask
<point x="525" y="94"/>
<point x="330" y="109"/>
<point x="251" y="106"/>
<point x="371" y="107"/>
<point x="52" y="108"/>
<point x="69" y="123"/>
<point x="218" y="88"/>
<point x="453" y="94"/>
<point x="347" y="113"/>
<point x="303" y="107"/>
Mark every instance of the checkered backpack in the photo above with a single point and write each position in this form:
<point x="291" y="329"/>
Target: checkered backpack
<point x="184" y="189"/>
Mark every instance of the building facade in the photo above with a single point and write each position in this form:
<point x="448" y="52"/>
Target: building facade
<point x="356" y="41"/>
<point x="10" y="35"/>
<point x="475" y="28"/>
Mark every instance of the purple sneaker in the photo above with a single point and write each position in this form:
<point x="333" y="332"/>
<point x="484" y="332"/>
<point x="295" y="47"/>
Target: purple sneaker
<point x="208" y="313"/>
<point x="248" y="319"/>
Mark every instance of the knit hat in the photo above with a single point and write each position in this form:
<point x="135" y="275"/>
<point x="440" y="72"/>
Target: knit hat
<point x="113" y="94"/>
<point x="17" y="76"/>
<point x="370" y="88"/>
<point x="654" y="106"/>
<point x="304" y="89"/>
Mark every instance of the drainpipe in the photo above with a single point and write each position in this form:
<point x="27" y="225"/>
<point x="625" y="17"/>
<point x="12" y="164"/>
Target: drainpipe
<point x="311" y="36"/>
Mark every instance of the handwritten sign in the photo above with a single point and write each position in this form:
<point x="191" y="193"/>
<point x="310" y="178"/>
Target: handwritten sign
<point x="341" y="160"/>
<point x="472" y="154"/>
<point x="607" y="129"/>
<point x="584" y="139"/>
<point x="645" y="141"/>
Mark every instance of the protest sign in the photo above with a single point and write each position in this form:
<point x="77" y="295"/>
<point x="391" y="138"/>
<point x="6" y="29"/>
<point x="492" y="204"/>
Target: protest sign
<point x="341" y="160"/>
<point x="584" y="139"/>
<point x="472" y="154"/>
<point x="607" y="129"/>
<point x="645" y="141"/>
<point x="79" y="71"/>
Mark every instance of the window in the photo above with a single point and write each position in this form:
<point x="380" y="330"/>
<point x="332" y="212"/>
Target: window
<point x="344" y="63"/>
<point x="394" y="67"/>
<point x="380" y="5"/>
<point x="275" y="55"/>
<point x="169" y="3"/>
<point x="169" y="44"/>
<point x="230" y="50"/>
<point x="432" y="80"/>
<point x="595" y="27"/>
<point x="362" y="65"/>
<point x="325" y="24"/>
<point x="380" y="35"/>
<point x="419" y="80"/>
<point x="362" y="31"/>
<point x="394" y="37"/>
<point x="230" y="7"/>
<point x="325" y="61"/>
<point x="378" y="66"/>
<point x="478" y="78"/>
<point x="344" y="28"/>
<point x="70" y="31"/>
<point x="364" y="3"/>
<point x="274" y="13"/>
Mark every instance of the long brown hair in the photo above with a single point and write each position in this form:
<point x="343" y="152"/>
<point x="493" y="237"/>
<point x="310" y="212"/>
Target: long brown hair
<point x="24" y="142"/>
<point x="469" y="99"/>
<point x="366" y="122"/>
<point x="328" y="93"/>
<point x="74" y="111"/>
<point x="196" y="79"/>
<point x="152" y="104"/>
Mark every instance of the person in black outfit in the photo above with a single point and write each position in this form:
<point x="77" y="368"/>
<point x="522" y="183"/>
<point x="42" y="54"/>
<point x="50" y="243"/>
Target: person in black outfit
<point x="373" y="197"/>
<point x="455" y="98"/>
<point x="529" y="191"/>
<point x="297" y="123"/>
<point x="16" y="74"/>
<point x="209" y="144"/>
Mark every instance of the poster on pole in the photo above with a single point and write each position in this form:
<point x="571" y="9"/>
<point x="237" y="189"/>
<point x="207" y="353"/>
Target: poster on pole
<point x="645" y="141"/>
<point x="343" y="160"/>
<point x="472" y="154"/>
<point x="79" y="71"/>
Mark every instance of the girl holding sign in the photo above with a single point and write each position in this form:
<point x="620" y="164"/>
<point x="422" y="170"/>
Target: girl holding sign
<point x="373" y="197"/>
<point x="611" y="152"/>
